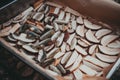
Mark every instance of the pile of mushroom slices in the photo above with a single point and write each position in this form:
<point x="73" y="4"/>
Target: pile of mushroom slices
<point x="63" y="42"/>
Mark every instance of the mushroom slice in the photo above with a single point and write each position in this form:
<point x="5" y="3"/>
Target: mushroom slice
<point x="87" y="70"/>
<point x="84" y="40"/>
<point x="80" y="50"/>
<point x="78" y="74"/>
<point x="5" y="29"/>
<point x="53" y="4"/>
<point x="96" y="61"/>
<point x="61" y="21"/>
<point x="52" y="52"/>
<point x="61" y="15"/>
<point x="67" y="18"/>
<point x="90" y="25"/>
<point x="41" y="7"/>
<point x="72" y="59"/>
<point x="30" y="49"/>
<point x="62" y="70"/>
<point x="55" y="35"/>
<point x="60" y="39"/>
<point x="80" y="31"/>
<point x="59" y="54"/>
<point x="48" y="48"/>
<point x="56" y="11"/>
<point x="92" y="49"/>
<point x="55" y="69"/>
<point x="63" y="47"/>
<point x="76" y="63"/>
<point x="115" y="44"/>
<point x="22" y="37"/>
<point x="47" y="9"/>
<point x="68" y="9"/>
<point x="79" y="20"/>
<point x="38" y="16"/>
<point x="74" y="24"/>
<point x="106" y="58"/>
<point x="73" y="44"/>
<point x="15" y="28"/>
<point x="47" y="34"/>
<point x="67" y="47"/>
<point x="109" y="51"/>
<point x="83" y="44"/>
<point x="102" y="32"/>
<point x="90" y="36"/>
<point x="66" y="57"/>
<point x="92" y="66"/>
<point x="70" y="38"/>
<point x="107" y="39"/>
<point x="41" y="56"/>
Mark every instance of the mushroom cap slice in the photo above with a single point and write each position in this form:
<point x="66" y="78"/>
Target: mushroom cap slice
<point x="73" y="43"/>
<point x="30" y="49"/>
<point x="78" y="74"/>
<point x="55" y="35"/>
<point x="90" y="25"/>
<point x="109" y="51"/>
<point x="73" y="24"/>
<point x="56" y="11"/>
<point x="80" y="31"/>
<point x="102" y="32"/>
<point x="90" y="36"/>
<point x="66" y="57"/>
<point x="63" y="47"/>
<point x="59" y="54"/>
<point x="80" y="50"/>
<point x="96" y="61"/>
<point x="61" y="15"/>
<point x="92" y="49"/>
<point x="79" y="20"/>
<point x="115" y="44"/>
<point x="70" y="38"/>
<point x="106" y="58"/>
<point x="67" y="18"/>
<point x="72" y="59"/>
<point x="83" y="44"/>
<point x="60" y="39"/>
<point x="107" y="39"/>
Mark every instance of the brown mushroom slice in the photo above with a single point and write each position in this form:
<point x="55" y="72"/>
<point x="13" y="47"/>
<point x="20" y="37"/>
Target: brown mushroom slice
<point x="73" y="24"/>
<point x="68" y="9"/>
<point x="59" y="54"/>
<point x="70" y="38"/>
<point x="106" y="58"/>
<point x="79" y="20"/>
<point x="63" y="47"/>
<point x="109" y="51"/>
<point x="53" y="4"/>
<point x="115" y="44"/>
<point x="66" y="57"/>
<point x="83" y="44"/>
<point x="80" y="31"/>
<point x="90" y="36"/>
<point x="76" y="63"/>
<point x="80" y="50"/>
<point x="90" y="25"/>
<point x="60" y="39"/>
<point x="22" y="37"/>
<point x="72" y="59"/>
<point x="78" y="74"/>
<point x="87" y="70"/>
<point x="67" y="18"/>
<point x="56" y="11"/>
<point x="102" y="32"/>
<point x="92" y="49"/>
<point x="30" y="49"/>
<point x="55" y="35"/>
<point x="96" y="61"/>
<point x="92" y="66"/>
<point x="73" y="44"/>
<point x="107" y="39"/>
<point x="61" y="15"/>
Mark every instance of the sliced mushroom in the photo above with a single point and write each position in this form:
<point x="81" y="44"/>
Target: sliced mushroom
<point x="43" y="42"/>
<point x="90" y="25"/>
<point x="78" y="74"/>
<point x="48" y="48"/>
<point x="30" y="49"/>
<point x="92" y="66"/>
<point x="96" y="61"/>
<point x="74" y="24"/>
<point x="90" y="36"/>
<point x="80" y="31"/>
<point x="41" y="56"/>
<point x="48" y="27"/>
<point x="63" y="47"/>
<point x="47" y="9"/>
<point x="83" y="44"/>
<point x="41" y="8"/>
<point x="84" y="40"/>
<point x="107" y="39"/>
<point x="56" y="11"/>
<point x="61" y="15"/>
<point x="67" y="18"/>
<point x="5" y="29"/>
<point x="73" y="44"/>
<point x="80" y="50"/>
<point x="15" y="28"/>
<point x="60" y="39"/>
<point x="79" y="20"/>
<point x="106" y="58"/>
<point x="55" y="69"/>
<point x="67" y="47"/>
<point x="39" y="16"/>
<point x="102" y="32"/>
<point x="52" y="52"/>
<point x="87" y="70"/>
<point x="76" y="63"/>
<point x="68" y="9"/>
<point x="62" y="70"/>
<point x="109" y="51"/>
<point x="115" y="44"/>
<point x="61" y="21"/>
<point x="55" y="36"/>
<point x="92" y="49"/>
<point x="66" y="57"/>
<point x="59" y="54"/>
<point x="70" y="38"/>
<point x="56" y="27"/>
<point x="72" y="59"/>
